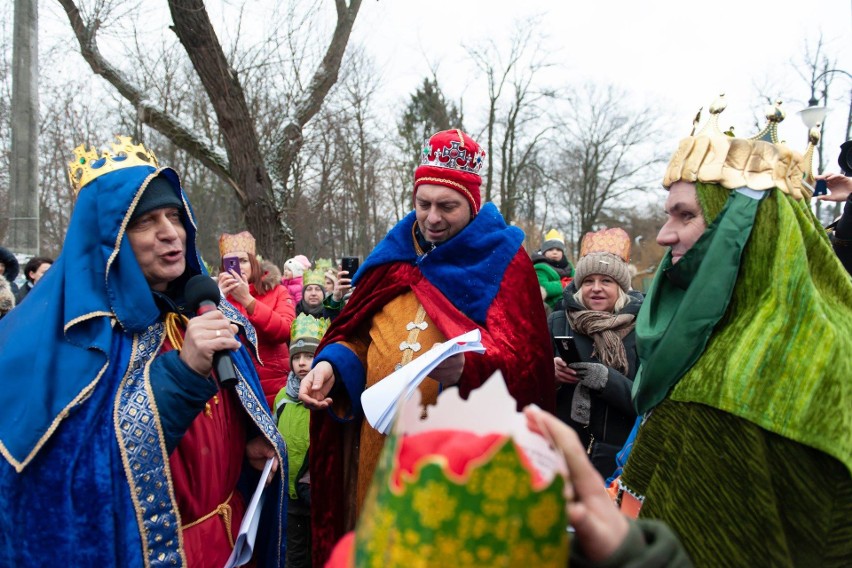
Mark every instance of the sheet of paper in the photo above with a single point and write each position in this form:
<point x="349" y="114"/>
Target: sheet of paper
<point x="489" y="409"/>
<point x="244" y="545"/>
<point x="381" y="401"/>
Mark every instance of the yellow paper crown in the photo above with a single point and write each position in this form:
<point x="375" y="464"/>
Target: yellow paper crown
<point x="759" y="163"/>
<point x="615" y="241"/>
<point x="313" y="277"/>
<point x="308" y="327"/>
<point x="554" y="235"/>
<point x="241" y="242"/>
<point x="87" y="165"/>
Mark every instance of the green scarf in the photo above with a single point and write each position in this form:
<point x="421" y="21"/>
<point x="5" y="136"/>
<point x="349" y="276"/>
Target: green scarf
<point x="677" y="319"/>
<point x="780" y="352"/>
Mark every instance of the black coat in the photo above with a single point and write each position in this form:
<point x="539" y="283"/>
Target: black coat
<point x="12" y="268"/>
<point x="612" y="413"/>
<point x="841" y="239"/>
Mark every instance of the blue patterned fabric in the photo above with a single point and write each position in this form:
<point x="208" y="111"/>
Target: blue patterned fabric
<point x="85" y="475"/>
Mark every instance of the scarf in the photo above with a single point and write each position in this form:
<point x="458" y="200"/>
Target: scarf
<point x="315" y="311"/>
<point x="292" y="388"/>
<point x="607" y="330"/>
<point x="678" y="320"/>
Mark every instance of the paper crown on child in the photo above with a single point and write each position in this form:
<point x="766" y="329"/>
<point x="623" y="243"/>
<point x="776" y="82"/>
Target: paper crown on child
<point x="314" y="277"/>
<point x="553" y="239"/>
<point x="614" y="241"/>
<point x="306" y="333"/>
<point x="241" y="242"/>
<point x="469" y="486"/>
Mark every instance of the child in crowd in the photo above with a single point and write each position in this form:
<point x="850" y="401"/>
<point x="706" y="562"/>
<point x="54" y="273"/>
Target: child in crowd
<point x="294" y="425"/>
<point x="291" y="277"/>
<point x="552" y="268"/>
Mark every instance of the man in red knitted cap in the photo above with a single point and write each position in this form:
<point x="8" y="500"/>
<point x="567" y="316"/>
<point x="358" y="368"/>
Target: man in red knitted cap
<point x="452" y="265"/>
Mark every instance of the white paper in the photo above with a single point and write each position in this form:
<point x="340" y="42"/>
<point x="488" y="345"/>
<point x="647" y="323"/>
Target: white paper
<point x="381" y="401"/>
<point x="490" y="409"/>
<point x="244" y="545"/>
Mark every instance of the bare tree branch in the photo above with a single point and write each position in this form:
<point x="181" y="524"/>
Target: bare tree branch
<point x="324" y="78"/>
<point x="148" y="113"/>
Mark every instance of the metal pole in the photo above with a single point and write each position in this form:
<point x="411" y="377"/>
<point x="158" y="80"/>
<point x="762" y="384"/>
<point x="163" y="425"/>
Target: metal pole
<point x="23" y="234"/>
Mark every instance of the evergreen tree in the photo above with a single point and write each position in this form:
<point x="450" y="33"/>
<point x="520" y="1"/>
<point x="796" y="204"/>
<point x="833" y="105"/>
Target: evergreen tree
<point x="427" y="112"/>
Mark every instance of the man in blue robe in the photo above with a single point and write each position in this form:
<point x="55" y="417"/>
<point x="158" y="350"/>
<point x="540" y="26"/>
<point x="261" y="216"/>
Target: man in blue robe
<point x="119" y="447"/>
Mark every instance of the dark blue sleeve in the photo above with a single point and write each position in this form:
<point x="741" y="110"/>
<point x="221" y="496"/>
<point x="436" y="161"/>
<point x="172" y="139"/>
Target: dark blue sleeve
<point x="180" y="394"/>
<point x="349" y="373"/>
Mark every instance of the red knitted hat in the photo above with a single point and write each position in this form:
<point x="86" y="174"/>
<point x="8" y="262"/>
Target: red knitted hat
<point x="452" y="159"/>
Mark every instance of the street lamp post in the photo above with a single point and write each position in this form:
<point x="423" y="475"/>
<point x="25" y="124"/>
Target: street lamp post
<point x="814" y="114"/>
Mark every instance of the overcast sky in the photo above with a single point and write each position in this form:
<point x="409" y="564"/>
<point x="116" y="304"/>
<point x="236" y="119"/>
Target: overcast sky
<point x="677" y="53"/>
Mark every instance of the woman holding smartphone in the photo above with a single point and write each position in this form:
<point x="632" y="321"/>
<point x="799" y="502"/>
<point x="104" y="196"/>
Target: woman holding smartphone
<point x="258" y="294"/>
<point x="593" y="395"/>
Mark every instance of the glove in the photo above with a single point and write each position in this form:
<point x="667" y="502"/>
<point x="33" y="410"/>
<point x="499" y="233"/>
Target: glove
<point x="591" y="375"/>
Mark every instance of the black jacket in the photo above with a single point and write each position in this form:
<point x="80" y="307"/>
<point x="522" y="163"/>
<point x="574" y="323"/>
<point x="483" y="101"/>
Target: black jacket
<point x="612" y="413"/>
<point x="11" y="268"/>
<point x="841" y="238"/>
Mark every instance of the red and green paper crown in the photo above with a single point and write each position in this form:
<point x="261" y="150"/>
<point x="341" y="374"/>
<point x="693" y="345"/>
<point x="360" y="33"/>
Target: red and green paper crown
<point x="468" y="486"/>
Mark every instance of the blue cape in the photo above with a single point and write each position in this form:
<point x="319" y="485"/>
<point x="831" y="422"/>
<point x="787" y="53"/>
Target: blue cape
<point x="468" y="268"/>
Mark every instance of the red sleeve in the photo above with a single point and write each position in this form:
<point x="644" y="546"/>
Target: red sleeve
<point x="515" y="336"/>
<point x="273" y="314"/>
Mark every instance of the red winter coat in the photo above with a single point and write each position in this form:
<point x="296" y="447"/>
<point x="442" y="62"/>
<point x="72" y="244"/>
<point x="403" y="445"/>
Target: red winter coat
<point x="273" y="315"/>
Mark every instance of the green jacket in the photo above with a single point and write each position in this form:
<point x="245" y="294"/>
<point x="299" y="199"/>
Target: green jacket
<point x="294" y="422"/>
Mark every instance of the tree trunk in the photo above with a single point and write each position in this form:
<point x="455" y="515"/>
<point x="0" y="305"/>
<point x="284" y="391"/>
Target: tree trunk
<point x="247" y="167"/>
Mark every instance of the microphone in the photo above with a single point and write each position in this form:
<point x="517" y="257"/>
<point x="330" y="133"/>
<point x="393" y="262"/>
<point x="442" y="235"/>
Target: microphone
<point x="202" y="295"/>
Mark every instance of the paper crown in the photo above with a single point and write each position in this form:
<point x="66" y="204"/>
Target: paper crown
<point x="87" y="165"/>
<point x="554" y="235"/>
<point x="468" y="486"/>
<point x="759" y="163"/>
<point x="308" y="327"/>
<point x="323" y="264"/>
<point x="313" y="277"/>
<point x="615" y="241"/>
<point x="452" y="159"/>
<point x="241" y="242"/>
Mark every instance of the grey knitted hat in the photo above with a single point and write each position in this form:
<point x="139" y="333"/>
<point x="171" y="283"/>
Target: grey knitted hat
<point x="602" y="263"/>
<point x="159" y="193"/>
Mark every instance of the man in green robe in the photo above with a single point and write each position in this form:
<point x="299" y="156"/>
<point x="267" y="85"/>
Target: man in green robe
<point x="746" y="374"/>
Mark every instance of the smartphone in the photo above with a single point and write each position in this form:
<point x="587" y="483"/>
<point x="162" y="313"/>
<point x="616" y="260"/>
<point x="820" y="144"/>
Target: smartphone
<point x="567" y="349"/>
<point x="821" y="188"/>
<point x="231" y="263"/>
<point x="350" y="264"/>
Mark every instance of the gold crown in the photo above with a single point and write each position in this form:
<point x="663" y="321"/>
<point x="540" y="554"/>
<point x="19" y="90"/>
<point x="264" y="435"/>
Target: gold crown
<point x="241" y="242"/>
<point x="759" y="163"/>
<point x="87" y="165"/>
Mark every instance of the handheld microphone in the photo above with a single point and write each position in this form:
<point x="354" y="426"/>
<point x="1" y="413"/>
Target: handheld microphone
<point x="202" y="295"/>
